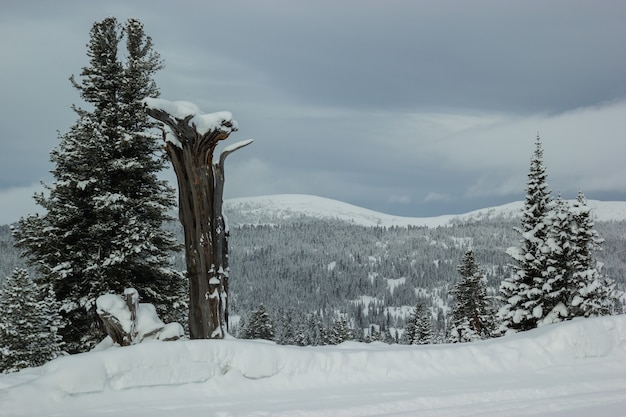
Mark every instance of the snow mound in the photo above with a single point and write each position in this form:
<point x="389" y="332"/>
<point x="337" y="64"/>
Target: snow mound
<point x="234" y="366"/>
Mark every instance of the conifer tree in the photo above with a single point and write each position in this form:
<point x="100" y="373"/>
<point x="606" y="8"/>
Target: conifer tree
<point x="423" y="326"/>
<point x="418" y="329"/>
<point x="316" y="332"/>
<point x="521" y="293"/>
<point x="558" y="278"/>
<point x="286" y="328"/>
<point x="591" y="293"/>
<point x="29" y="323"/>
<point x="574" y="285"/>
<point x="102" y="229"/>
<point x="259" y="325"/>
<point x="473" y="314"/>
<point x="340" y="331"/>
<point x="410" y="328"/>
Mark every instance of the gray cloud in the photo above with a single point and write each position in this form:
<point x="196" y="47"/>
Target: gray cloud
<point x="412" y="108"/>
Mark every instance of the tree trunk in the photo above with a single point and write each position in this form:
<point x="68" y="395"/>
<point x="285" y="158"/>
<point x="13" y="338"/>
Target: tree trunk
<point x="200" y="188"/>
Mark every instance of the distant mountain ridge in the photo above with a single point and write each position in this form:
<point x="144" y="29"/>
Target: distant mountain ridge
<point x="281" y="208"/>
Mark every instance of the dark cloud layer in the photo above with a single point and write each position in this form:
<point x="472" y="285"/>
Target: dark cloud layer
<point x="408" y="107"/>
<point x="519" y="56"/>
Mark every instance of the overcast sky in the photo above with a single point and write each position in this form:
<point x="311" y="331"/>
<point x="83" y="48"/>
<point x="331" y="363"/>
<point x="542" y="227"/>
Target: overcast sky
<point x="413" y="108"/>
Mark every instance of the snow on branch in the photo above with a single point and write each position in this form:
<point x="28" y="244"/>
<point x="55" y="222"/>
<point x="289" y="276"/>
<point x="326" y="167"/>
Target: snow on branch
<point x="232" y="148"/>
<point x="238" y="145"/>
<point x="187" y="112"/>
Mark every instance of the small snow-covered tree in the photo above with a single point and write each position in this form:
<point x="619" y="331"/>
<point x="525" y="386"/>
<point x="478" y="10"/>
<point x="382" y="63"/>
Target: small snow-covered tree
<point x="102" y="229"/>
<point x="340" y="331"/>
<point x="473" y="313"/>
<point x="558" y="278"/>
<point x="591" y="293"/>
<point x="259" y="325"/>
<point x="29" y="323"/>
<point x="286" y="328"/>
<point x="410" y="329"/>
<point x="574" y="285"/>
<point x="418" y="329"/>
<point x="316" y="333"/>
<point x="521" y="293"/>
<point x="423" y="326"/>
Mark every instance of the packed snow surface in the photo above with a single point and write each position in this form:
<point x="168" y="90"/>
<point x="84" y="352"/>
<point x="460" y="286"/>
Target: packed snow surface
<point x="280" y="207"/>
<point x="573" y="369"/>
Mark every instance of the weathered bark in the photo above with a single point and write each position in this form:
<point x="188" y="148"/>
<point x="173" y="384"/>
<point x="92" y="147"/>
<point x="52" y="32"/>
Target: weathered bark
<point x="113" y="326"/>
<point x="200" y="188"/>
<point x="114" y="330"/>
<point x="125" y="326"/>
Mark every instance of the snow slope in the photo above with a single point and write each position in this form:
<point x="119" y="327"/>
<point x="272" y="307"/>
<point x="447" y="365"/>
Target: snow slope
<point x="278" y="208"/>
<point x="281" y="207"/>
<point x="570" y="369"/>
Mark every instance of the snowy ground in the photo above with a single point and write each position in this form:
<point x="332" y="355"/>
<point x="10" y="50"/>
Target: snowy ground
<point x="571" y="369"/>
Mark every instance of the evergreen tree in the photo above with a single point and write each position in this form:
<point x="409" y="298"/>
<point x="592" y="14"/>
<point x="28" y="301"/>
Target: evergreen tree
<point x="423" y="326"/>
<point x="389" y="338"/>
<point x="340" y="331"/>
<point x="317" y="334"/>
<point x="574" y="285"/>
<point x="558" y="278"/>
<point x="521" y="293"/>
<point x="29" y="323"/>
<point x="410" y="328"/>
<point x="590" y="293"/>
<point x="259" y="325"/>
<point x="286" y="332"/>
<point x="473" y="315"/>
<point x="419" y="328"/>
<point x="102" y="229"/>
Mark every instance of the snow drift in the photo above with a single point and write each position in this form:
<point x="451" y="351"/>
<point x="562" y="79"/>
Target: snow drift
<point x="577" y="358"/>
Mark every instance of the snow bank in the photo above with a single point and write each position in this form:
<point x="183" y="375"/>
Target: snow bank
<point x="258" y="365"/>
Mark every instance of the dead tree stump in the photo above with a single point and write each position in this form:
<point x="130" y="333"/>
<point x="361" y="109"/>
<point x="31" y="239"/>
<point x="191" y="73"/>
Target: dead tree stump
<point x="191" y="139"/>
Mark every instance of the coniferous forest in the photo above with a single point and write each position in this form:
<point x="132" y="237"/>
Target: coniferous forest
<point x="320" y="270"/>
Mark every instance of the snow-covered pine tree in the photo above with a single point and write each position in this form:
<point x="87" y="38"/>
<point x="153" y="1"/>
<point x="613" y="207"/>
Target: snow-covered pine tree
<point x="102" y="229"/>
<point x="340" y="331"/>
<point x="418" y="329"/>
<point x="591" y="293"/>
<point x="317" y="334"/>
<point x="29" y="323"/>
<point x="423" y="326"/>
<point x="557" y="276"/>
<point x="259" y="325"/>
<point x="521" y="292"/>
<point x="473" y="315"/>
<point x="286" y="328"/>
<point x="410" y="329"/>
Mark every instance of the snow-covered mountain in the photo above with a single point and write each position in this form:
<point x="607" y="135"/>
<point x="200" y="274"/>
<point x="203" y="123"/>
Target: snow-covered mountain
<point x="289" y="207"/>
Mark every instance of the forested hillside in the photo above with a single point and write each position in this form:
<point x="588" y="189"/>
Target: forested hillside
<point x="375" y="274"/>
<point x="371" y="274"/>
